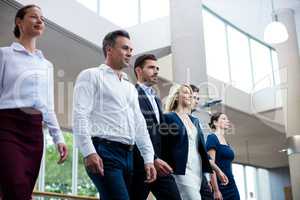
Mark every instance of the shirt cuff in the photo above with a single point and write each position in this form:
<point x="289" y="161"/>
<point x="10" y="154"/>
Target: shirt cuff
<point x="149" y="159"/>
<point x="57" y="137"/>
<point x="88" y="149"/>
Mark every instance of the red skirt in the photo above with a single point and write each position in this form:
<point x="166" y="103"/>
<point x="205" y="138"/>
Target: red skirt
<point x="21" y="150"/>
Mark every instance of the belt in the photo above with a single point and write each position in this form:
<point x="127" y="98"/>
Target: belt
<point x="126" y="147"/>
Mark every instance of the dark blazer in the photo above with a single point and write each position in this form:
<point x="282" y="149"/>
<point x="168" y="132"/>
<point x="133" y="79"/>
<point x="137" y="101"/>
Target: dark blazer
<point x="152" y="124"/>
<point x="175" y="144"/>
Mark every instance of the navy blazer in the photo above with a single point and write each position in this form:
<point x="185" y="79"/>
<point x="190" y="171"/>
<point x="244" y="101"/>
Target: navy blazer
<point x="175" y="144"/>
<point x="152" y="124"/>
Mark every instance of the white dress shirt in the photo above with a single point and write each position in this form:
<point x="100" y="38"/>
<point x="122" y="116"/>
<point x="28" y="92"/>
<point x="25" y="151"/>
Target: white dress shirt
<point x="107" y="107"/>
<point x="150" y="93"/>
<point x="26" y="80"/>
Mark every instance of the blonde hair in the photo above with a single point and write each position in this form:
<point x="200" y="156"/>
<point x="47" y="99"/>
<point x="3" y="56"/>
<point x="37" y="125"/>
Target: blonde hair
<point x="172" y="99"/>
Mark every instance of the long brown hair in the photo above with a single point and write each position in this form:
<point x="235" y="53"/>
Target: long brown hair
<point x="20" y="15"/>
<point x="214" y="118"/>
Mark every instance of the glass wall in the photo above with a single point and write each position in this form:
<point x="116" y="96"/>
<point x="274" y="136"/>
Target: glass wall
<point x="253" y="183"/>
<point x="262" y="65"/>
<point x="215" y="48"/>
<point x="238" y="172"/>
<point x="237" y="58"/>
<point x="240" y="63"/>
<point x="58" y="178"/>
<point x="67" y="178"/>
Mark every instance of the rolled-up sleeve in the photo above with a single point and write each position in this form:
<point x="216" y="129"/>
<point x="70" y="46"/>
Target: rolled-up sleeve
<point x="142" y="137"/>
<point x="83" y="98"/>
<point x="49" y="116"/>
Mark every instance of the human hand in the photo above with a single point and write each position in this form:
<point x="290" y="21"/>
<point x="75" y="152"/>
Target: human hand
<point x="150" y="173"/>
<point x="218" y="195"/>
<point x="94" y="164"/>
<point x="162" y="168"/>
<point x="63" y="152"/>
<point x="222" y="177"/>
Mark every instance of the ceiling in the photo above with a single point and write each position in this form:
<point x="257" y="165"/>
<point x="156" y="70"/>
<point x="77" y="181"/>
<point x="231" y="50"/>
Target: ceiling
<point x="254" y="142"/>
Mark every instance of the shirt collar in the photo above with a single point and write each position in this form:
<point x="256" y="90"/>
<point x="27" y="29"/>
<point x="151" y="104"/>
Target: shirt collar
<point x="107" y="68"/>
<point x="19" y="47"/>
<point x="148" y="89"/>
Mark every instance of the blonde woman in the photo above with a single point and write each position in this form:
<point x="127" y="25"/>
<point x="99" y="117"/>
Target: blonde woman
<point x="183" y="144"/>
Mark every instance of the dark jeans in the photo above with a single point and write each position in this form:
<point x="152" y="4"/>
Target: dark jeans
<point x="206" y="193"/>
<point x="164" y="188"/>
<point x="118" y="170"/>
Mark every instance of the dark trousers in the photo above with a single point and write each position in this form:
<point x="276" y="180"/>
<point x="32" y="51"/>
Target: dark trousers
<point x="118" y="166"/>
<point x="206" y="193"/>
<point x="164" y="188"/>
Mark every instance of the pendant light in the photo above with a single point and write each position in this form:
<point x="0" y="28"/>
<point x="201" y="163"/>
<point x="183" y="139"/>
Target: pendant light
<point x="275" y="32"/>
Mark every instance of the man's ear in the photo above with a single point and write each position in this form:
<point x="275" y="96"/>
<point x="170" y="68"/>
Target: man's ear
<point x="108" y="50"/>
<point x="138" y="70"/>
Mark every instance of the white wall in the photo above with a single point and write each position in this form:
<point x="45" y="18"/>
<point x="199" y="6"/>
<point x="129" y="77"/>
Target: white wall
<point x="74" y="17"/>
<point x="85" y="23"/>
<point x="151" y="35"/>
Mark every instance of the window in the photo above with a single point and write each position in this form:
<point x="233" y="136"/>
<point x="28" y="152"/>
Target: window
<point x="58" y="178"/>
<point x="240" y="63"/>
<point x="239" y="56"/>
<point x="262" y="68"/>
<point x="123" y="13"/>
<point x="154" y="9"/>
<point x="264" y="186"/>
<point x="239" y="177"/>
<point x="251" y="183"/>
<point x="215" y="47"/>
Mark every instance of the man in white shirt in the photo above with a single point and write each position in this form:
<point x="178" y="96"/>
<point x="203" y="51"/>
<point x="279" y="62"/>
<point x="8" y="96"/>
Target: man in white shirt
<point x="107" y="121"/>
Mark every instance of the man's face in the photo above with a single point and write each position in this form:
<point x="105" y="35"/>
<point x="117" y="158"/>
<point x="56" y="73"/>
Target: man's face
<point x="149" y="73"/>
<point x="121" y="52"/>
<point x="196" y="100"/>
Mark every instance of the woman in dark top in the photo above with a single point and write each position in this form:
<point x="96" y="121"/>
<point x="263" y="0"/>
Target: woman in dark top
<point x="223" y="155"/>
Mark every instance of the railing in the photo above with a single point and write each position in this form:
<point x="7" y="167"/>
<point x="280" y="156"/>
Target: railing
<point x="62" y="196"/>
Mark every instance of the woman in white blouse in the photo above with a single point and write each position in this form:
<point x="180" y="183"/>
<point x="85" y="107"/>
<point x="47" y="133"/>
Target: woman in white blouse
<point x="26" y="100"/>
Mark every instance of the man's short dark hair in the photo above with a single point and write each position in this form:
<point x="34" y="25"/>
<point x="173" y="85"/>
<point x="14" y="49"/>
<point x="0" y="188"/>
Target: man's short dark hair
<point x="194" y="88"/>
<point x="110" y="39"/>
<point x="140" y="61"/>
